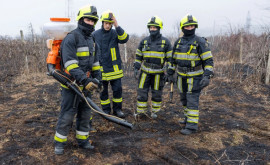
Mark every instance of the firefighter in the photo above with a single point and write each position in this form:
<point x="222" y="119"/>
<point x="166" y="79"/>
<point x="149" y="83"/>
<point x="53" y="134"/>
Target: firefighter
<point x="151" y="55"/>
<point x="193" y="61"/>
<point x="110" y="61"/>
<point x="79" y="55"/>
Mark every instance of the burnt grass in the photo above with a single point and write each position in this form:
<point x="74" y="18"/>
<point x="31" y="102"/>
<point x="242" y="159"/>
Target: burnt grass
<point x="234" y="127"/>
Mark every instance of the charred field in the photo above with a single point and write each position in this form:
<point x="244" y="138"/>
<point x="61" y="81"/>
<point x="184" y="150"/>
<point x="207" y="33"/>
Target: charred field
<point x="234" y="127"/>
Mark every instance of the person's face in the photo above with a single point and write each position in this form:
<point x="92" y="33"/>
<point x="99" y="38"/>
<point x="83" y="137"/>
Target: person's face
<point x="189" y="27"/>
<point x="107" y="25"/>
<point x="153" y="28"/>
<point x="89" y="21"/>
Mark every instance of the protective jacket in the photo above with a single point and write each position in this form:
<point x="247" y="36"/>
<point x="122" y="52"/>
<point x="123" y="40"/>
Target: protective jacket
<point x="192" y="56"/>
<point x="80" y="55"/>
<point x="152" y="54"/>
<point x="110" y="59"/>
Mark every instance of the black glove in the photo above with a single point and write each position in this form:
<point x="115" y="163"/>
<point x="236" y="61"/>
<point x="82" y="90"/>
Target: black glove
<point x="169" y="78"/>
<point x="100" y="86"/>
<point x="136" y="73"/>
<point x="204" y="82"/>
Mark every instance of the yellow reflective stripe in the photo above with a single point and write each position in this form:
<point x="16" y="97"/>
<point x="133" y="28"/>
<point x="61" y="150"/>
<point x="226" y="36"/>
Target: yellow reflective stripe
<point x="206" y="55"/>
<point x="155" y="110"/>
<point x="196" y="73"/>
<point x="59" y="139"/>
<point x="149" y="70"/>
<point x="169" y="54"/>
<point x="122" y="37"/>
<point x="157" y="78"/>
<point x="105" y="102"/>
<point x="163" y="43"/>
<point x="139" y="61"/>
<point x="113" y="54"/>
<point x="138" y="52"/>
<point x="118" y="100"/>
<point x="101" y="68"/>
<point x="91" y="117"/>
<point x="190" y="84"/>
<point x="112" y="73"/>
<point x="72" y="66"/>
<point x="82" y="54"/>
<point x="191" y="47"/>
<point x="179" y="84"/>
<point x="141" y="110"/>
<point x="156" y="104"/>
<point x="142" y="104"/>
<point x="193" y="113"/>
<point x="192" y="119"/>
<point x="82" y="137"/>
<point x="209" y="67"/>
<point x="115" y="67"/>
<point x="192" y="63"/>
<point x="142" y="80"/>
<point x="113" y="77"/>
<point x="94" y="68"/>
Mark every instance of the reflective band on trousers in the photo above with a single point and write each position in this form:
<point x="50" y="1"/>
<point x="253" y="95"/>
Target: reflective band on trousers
<point x="193" y="113"/>
<point x="141" y="104"/>
<point x="190" y="84"/>
<point x="143" y="77"/>
<point x="157" y="79"/>
<point x="60" y="138"/>
<point x="105" y="102"/>
<point x="179" y="84"/>
<point x="156" y="104"/>
<point x="154" y="109"/>
<point x="192" y="119"/>
<point x="141" y="110"/>
<point x="119" y="100"/>
<point x="81" y="133"/>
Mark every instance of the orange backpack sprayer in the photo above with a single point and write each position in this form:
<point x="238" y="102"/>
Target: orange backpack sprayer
<point x="57" y="29"/>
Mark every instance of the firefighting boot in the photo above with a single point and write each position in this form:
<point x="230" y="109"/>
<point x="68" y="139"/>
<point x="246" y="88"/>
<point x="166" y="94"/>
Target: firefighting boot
<point x="153" y="115"/>
<point x="85" y="144"/>
<point x="59" y="148"/>
<point x="119" y="113"/>
<point x="187" y="131"/>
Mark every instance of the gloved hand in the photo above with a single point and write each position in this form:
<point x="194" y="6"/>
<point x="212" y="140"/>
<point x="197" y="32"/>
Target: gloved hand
<point x="136" y="73"/>
<point x="204" y="82"/>
<point x="169" y="78"/>
<point x="91" y="84"/>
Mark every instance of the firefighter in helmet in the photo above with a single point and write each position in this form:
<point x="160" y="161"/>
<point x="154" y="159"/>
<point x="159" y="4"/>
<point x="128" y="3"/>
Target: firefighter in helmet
<point x="79" y="58"/>
<point x="110" y="61"/>
<point x="193" y="62"/>
<point x="151" y="55"/>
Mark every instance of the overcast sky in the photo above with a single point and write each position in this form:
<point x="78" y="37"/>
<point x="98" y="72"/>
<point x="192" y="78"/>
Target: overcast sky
<point x="132" y="15"/>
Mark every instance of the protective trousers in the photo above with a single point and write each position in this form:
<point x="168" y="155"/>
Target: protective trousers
<point x="189" y="95"/>
<point x="156" y="82"/>
<point x="71" y="104"/>
<point x="117" y="96"/>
